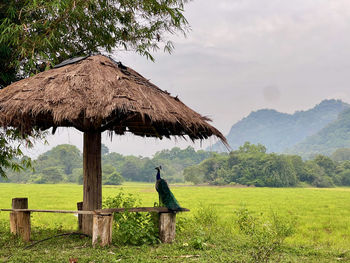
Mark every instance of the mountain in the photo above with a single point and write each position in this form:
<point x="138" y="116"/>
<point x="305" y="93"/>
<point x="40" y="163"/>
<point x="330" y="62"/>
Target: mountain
<point x="332" y="137"/>
<point x="280" y="131"/>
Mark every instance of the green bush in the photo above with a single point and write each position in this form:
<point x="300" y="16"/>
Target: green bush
<point x="345" y="177"/>
<point x="39" y="179"/>
<point x="218" y="181"/>
<point x="49" y="175"/>
<point x="203" y="228"/>
<point x="4" y="233"/>
<point x="206" y="216"/>
<point x="77" y="174"/>
<point x="323" y="182"/>
<point x="263" y="237"/>
<point x="129" y="227"/>
<point x="113" y="179"/>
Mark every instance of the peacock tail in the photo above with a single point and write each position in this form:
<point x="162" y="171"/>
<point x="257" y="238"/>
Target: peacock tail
<point x="166" y="196"/>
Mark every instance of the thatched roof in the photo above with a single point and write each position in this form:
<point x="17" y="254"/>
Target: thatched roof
<point x="97" y="93"/>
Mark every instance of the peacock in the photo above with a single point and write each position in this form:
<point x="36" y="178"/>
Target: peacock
<point x="166" y="197"/>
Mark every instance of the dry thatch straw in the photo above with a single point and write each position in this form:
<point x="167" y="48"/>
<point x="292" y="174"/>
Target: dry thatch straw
<point x="98" y="94"/>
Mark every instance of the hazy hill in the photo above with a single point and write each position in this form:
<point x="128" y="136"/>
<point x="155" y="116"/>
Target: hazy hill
<point x="332" y="137"/>
<point x="280" y="131"/>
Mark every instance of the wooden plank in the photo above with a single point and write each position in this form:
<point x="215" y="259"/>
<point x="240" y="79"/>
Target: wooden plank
<point x="138" y="209"/>
<point x="50" y="211"/>
<point x="102" y="230"/>
<point x="99" y="211"/>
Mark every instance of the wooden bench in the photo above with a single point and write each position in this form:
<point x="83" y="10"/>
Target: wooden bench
<point x="102" y="220"/>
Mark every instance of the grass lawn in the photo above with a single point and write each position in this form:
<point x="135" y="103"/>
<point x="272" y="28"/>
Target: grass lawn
<point x="321" y="216"/>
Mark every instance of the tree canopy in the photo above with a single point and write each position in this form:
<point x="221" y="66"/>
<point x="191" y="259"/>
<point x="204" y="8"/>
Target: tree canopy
<point x="38" y="34"/>
<point x="11" y="156"/>
<point x="251" y="165"/>
<point x="63" y="163"/>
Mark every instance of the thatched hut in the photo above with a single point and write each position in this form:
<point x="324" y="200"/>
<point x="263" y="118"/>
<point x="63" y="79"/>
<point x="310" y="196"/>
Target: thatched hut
<point x="96" y="94"/>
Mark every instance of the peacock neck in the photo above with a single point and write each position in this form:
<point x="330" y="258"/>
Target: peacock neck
<point x="158" y="175"/>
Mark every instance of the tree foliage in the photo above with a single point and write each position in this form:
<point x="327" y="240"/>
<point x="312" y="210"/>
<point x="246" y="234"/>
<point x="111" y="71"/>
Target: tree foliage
<point x="11" y="156"/>
<point x="49" y="175"/>
<point x="110" y="176"/>
<point x="65" y="162"/>
<point x="38" y="34"/>
<point x="251" y="165"/>
<point x="65" y="156"/>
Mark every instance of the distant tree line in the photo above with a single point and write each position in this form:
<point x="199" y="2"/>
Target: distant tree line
<point x="63" y="164"/>
<point x="251" y="165"/>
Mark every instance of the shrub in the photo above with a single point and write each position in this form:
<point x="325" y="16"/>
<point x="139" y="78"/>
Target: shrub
<point x="323" y="182"/>
<point x="264" y="237"/>
<point x="203" y="227"/>
<point x="206" y="216"/>
<point x="345" y="177"/>
<point x="132" y="228"/>
<point x="218" y="181"/>
<point x="77" y="174"/>
<point x="113" y="179"/>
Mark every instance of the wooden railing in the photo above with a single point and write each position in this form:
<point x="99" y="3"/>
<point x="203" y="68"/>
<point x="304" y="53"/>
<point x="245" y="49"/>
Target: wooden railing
<point x="102" y="220"/>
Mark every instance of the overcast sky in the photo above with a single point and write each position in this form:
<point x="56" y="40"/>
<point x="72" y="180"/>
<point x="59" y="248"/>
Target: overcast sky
<point x="244" y="55"/>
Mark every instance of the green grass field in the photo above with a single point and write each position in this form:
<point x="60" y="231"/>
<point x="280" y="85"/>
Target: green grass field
<point x="321" y="216"/>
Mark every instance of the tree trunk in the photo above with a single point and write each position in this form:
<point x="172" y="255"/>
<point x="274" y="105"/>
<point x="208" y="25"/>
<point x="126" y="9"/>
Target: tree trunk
<point x="92" y="198"/>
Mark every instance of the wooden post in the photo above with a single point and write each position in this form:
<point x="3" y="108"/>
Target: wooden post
<point x="167" y="226"/>
<point x="92" y="197"/>
<point x="80" y="218"/>
<point x="102" y="229"/>
<point x="20" y="221"/>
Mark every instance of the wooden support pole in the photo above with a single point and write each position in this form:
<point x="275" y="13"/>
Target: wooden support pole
<point x="92" y="197"/>
<point x="102" y="230"/>
<point x="80" y="216"/>
<point x="20" y="221"/>
<point x="167" y="227"/>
